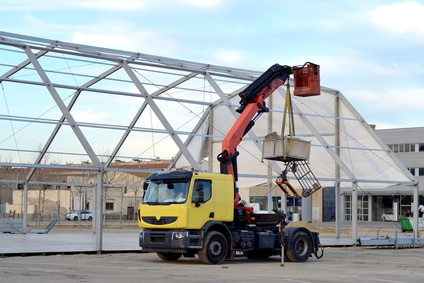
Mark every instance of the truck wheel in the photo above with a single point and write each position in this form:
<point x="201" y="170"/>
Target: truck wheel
<point x="258" y="254"/>
<point x="215" y="248"/>
<point x="300" y="247"/>
<point x="169" y="256"/>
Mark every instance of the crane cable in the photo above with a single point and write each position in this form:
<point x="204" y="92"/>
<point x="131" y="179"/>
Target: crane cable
<point x="288" y="111"/>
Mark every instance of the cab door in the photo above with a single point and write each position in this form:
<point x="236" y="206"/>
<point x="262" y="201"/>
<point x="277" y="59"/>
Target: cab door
<point x="202" y="206"/>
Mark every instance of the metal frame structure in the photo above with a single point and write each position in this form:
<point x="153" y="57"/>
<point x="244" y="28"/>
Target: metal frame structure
<point x="187" y="77"/>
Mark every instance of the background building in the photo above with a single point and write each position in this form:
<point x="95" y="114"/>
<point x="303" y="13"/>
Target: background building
<point x="376" y="204"/>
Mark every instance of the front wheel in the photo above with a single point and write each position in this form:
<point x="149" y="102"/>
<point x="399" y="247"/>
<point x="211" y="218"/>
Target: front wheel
<point x="76" y="218"/>
<point x="169" y="256"/>
<point x="215" y="248"/>
<point x="300" y="247"/>
<point x="90" y="218"/>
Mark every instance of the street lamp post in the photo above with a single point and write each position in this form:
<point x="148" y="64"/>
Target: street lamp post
<point x="138" y="160"/>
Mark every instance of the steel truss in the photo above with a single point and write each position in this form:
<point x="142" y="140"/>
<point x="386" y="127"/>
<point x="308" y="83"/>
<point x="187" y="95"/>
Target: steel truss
<point x="111" y="66"/>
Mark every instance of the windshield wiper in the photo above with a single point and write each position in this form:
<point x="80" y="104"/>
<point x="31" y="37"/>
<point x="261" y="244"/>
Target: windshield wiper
<point x="158" y="203"/>
<point x="152" y="202"/>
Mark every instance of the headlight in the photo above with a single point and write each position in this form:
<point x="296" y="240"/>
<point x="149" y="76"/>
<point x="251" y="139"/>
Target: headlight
<point x="179" y="235"/>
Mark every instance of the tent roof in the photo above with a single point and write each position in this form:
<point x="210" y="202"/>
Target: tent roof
<point x="344" y="148"/>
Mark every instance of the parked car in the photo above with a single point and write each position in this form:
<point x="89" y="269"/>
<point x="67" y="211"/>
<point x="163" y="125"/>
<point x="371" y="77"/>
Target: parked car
<point x="388" y="216"/>
<point x="85" y="215"/>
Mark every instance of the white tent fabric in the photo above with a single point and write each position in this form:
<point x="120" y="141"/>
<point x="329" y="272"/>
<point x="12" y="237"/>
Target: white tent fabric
<point x="331" y="124"/>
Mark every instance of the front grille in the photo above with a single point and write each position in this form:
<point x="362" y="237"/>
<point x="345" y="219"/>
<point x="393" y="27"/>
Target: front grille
<point x="161" y="221"/>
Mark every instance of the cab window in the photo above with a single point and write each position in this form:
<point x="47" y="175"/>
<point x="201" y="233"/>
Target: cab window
<point x="202" y="191"/>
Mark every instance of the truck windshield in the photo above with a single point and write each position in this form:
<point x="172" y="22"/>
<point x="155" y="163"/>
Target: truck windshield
<point x="167" y="192"/>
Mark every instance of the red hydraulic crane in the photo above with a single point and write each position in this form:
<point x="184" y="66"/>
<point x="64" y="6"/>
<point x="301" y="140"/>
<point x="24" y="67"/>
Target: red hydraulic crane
<point x="252" y="106"/>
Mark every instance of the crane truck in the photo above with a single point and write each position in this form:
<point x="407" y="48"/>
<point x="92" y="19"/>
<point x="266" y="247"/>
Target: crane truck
<point x="186" y="212"/>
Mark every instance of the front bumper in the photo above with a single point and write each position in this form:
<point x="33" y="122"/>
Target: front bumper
<point x="177" y="241"/>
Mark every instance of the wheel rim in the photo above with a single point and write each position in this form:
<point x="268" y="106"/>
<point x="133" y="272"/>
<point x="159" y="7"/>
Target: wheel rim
<point x="215" y="248"/>
<point x="301" y="247"/>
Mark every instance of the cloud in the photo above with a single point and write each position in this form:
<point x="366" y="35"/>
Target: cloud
<point x="400" y="17"/>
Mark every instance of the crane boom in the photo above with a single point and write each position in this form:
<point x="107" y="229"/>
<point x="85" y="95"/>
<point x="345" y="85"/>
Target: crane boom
<point x="252" y="105"/>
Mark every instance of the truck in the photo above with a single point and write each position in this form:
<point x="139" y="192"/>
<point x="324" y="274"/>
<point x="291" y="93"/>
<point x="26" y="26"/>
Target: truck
<point x="188" y="213"/>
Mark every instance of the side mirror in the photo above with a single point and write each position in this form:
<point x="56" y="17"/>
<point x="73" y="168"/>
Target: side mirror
<point x="145" y="185"/>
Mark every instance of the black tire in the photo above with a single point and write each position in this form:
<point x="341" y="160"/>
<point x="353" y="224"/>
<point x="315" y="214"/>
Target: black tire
<point x="169" y="256"/>
<point x="300" y="247"/>
<point x="258" y="254"/>
<point x="76" y="218"/>
<point x="383" y="219"/>
<point x="90" y="218"/>
<point x="215" y="248"/>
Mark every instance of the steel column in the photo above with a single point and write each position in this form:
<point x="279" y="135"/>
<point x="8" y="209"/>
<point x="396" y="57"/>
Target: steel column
<point x="98" y="213"/>
<point x="337" y="167"/>
<point x="354" y="213"/>
<point x="25" y="212"/>
<point x="415" y="211"/>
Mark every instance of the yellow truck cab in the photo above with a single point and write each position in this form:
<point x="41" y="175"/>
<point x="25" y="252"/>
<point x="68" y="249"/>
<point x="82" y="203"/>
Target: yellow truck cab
<point x="180" y="206"/>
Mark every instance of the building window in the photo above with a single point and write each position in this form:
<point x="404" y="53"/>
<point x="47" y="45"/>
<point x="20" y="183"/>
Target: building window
<point x="409" y="147"/>
<point x="348" y="208"/>
<point x="109" y="205"/>
<point x="362" y="208"/>
<point x="421" y="147"/>
<point x="404" y="147"/>
<point x="412" y="170"/>
<point x="420" y="171"/>
<point x="329" y="204"/>
<point x="395" y="148"/>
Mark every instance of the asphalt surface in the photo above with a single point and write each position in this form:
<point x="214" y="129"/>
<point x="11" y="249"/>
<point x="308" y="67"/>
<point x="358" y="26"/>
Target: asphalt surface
<point x="337" y="265"/>
<point x="123" y="262"/>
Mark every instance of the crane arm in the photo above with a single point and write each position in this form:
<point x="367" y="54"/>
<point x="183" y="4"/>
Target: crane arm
<point x="252" y="103"/>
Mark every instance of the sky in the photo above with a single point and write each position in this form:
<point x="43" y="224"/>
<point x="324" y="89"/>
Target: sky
<point x="371" y="51"/>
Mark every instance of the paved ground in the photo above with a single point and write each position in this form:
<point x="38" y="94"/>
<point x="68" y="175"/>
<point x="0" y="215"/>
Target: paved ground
<point x="342" y="264"/>
<point x="337" y="265"/>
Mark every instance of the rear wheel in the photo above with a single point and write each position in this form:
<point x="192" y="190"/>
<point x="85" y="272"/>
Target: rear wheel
<point x="215" y="248"/>
<point x="300" y="247"/>
<point x="90" y="218"/>
<point x="76" y="218"/>
<point x="169" y="256"/>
